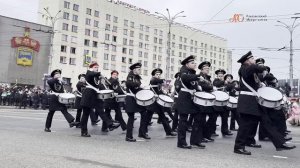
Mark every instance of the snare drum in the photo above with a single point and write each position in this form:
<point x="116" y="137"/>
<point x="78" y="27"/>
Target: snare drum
<point x="165" y="100"/>
<point x="222" y="98"/>
<point x="105" y="94"/>
<point x="145" y="97"/>
<point x="204" y="99"/>
<point x="232" y="102"/>
<point x="120" y="98"/>
<point x="269" y="97"/>
<point x="66" y="98"/>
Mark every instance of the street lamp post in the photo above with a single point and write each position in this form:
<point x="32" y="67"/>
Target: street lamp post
<point x="170" y="19"/>
<point x="291" y="29"/>
<point x="53" y="20"/>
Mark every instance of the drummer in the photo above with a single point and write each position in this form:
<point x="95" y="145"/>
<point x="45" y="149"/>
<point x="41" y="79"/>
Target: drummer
<point x="186" y="106"/>
<point x="250" y="111"/>
<point x="113" y="84"/>
<point x="90" y="101"/>
<point x="177" y="87"/>
<point x="156" y="87"/>
<point x="133" y="85"/>
<point x="232" y="87"/>
<point x="206" y="85"/>
<point x="219" y="83"/>
<point x="56" y="87"/>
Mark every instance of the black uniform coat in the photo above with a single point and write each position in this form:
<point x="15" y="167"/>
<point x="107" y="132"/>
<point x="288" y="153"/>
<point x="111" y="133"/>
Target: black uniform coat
<point x="185" y="104"/>
<point x="133" y="84"/>
<point x="155" y="107"/>
<point x="219" y="84"/>
<point x="57" y="87"/>
<point x="80" y="87"/>
<point x="248" y="104"/>
<point x="89" y="96"/>
<point x="115" y="86"/>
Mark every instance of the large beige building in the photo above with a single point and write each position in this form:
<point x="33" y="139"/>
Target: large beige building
<point x="117" y="34"/>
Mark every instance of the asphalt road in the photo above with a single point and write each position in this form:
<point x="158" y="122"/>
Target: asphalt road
<point x="24" y="144"/>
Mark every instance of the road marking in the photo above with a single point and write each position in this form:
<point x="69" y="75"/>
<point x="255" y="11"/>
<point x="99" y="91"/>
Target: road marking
<point x="280" y="157"/>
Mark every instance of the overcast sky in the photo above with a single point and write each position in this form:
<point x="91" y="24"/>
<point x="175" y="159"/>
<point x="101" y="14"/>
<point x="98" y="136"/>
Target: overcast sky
<point x="241" y="37"/>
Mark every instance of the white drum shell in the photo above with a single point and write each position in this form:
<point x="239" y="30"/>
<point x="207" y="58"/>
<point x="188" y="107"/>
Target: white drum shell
<point x="165" y="103"/>
<point x="105" y="94"/>
<point x="232" y="102"/>
<point x="143" y="102"/>
<point x="66" y="98"/>
<point x="264" y="100"/>
<point x="202" y="101"/>
<point x="120" y="98"/>
<point x="221" y="101"/>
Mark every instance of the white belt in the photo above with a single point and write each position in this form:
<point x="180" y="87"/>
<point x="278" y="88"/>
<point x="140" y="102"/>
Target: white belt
<point x="130" y="94"/>
<point x="91" y="87"/>
<point x="188" y="90"/>
<point x="247" y="93"/>
<point x="154" y="85"/>
<point x="78" y="95"/>
<point x="53" y="93"/>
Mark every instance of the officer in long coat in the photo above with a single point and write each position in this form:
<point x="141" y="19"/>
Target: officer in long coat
<point x="56" y="87"/>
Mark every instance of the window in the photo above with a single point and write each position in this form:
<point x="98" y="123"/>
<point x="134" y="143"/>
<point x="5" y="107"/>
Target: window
<point x="173" y="45"/>
<point x="74" y="29"/>
<point x="154" y="65"/>
<point x="159" y="66"/>
<point x="87" y="32"/>
<point x="66" y="5"/>
<point x="72" y="61"/>
<point x="96" y="13"/>
<point x="147" y="37"/>
<point x="88" y="11"/>
<point x="96" y="23"/>
<point x="131" y="33"/>
<point x="131" y="42"/>
<point x="73" y="50"/>
<point x="108" y="17"/>
<point x="147" y="46"/>
<point x="185" y="39"/>
<point x="64" y="37"/>
<point x="106" y="56"/>
<point x="155" y="39"/>
<point x="196" y="43"/>
<point x="66" y="15"/>
<point x="192" y="42"/>
<point x="192" y="49"/>
<point x="95" y="34"/>
<point x="184" y="55"/>
<point x="86" y="52"/>
<point x="141" y="27"/>
<point x="160" y="33"/>
<point x="94" y="54"/>
<point x="159" y="58"/>
<point x="63" y="48"/>
<point x="140" y="54"/>
<point x="88" y="21"/>
<point x="126" y="23"/>
<point x="73" y="39"/>
<point x="155" y="31"/>
<point x="115" y="29"/>
<point x="123" y="69"/>
<point x="180" y="38"/>
<point x="112" y="67"/>
<point x="87" y="42"/>
<point x="141" y="36"/>
<point x="114" y="39"/>
<point x="160" y="41"/>
<point x="184" y="47"/>
<point x="124" y="50"/>
<point x="75" y="7"/>
<point x="173" y="36"/>
<point x="145" y="64"/>
<point x="63" y="60"/>
<point x="147" y="28"/>
<point x="180" y="54"/>
<point x="65" y="26"/>
<point x="106" y="46"/>
<point x="154" y="56"/>
<point x="146" y="72"/>
<point x="159" y="49"/>
<point x="115" y="19"/>
<point x="173" y="53"/>
<point x="145" y="55"/>
<point x="180" y="46"/>
<point x="125" y="31"/>
<point x="172" y="60"/>
<point x="114" y="48"/>
<point x="172" y="68"/>
<point x="113" y="58"/>
<point x="132" y="24"/>
<point x="107" y="27"/>
<point x="95" y="44"/>
<point x="130" y="51"/>
<point x="196" y="50"/>
<point x="107" y="37"/>
<point x="124" y="41"/>
<point x="140" y="45"/>
<point x="105" y="66"/>
<point x="130" y="60"/>
<point x="75" y="18"/>
<point x="124" y="59"/>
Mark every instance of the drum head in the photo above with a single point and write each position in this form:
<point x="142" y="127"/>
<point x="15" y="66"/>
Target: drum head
<point x="166" y="98"/>
<point x="144" y="95"/>
<point x="105" y="91"/>
<point x="233" y="100"/>
<point x="205" y="95"/>
<point x="269" y="93"/>
<point x="67" y="95"/>
<point x="221" y="96"/>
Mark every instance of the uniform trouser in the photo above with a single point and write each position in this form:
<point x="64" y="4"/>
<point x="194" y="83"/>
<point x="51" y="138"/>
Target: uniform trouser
<point x="118" y="117"/>
<point x="64" y="111"/>
<point x="99" y="111"/>
<point x="162" y="117"/>
<point x="197" y="128"/>
<point x="224" y="121"/>
<point x="175" y="120"/>
<point x="79" y="113"/>
<point x="143" y="124"/>
<point x="246" y="123"/>
<point x="278" y="120"/>
<point x="210" y="125"/>
<point x="234" y="117"/>
<point x="168" y="110"/>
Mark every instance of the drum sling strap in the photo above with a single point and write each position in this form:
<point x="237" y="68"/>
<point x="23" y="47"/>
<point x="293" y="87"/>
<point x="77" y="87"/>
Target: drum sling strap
<point x="249" y="87"/>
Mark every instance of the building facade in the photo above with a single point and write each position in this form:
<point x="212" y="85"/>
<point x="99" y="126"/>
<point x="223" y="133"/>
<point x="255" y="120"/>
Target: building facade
<point x="117" y="34"/>
<point x="24" y="52"/>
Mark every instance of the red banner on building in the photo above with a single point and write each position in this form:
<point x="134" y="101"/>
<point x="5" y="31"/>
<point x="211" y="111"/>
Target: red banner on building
<point x="25" y="42"/>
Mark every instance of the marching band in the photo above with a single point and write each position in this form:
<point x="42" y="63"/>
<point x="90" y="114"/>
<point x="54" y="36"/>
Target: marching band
<point x="194" y="105"/>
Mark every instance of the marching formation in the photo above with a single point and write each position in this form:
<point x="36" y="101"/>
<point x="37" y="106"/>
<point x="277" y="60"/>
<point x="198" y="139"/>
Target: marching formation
<point x="194" y="105"/>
